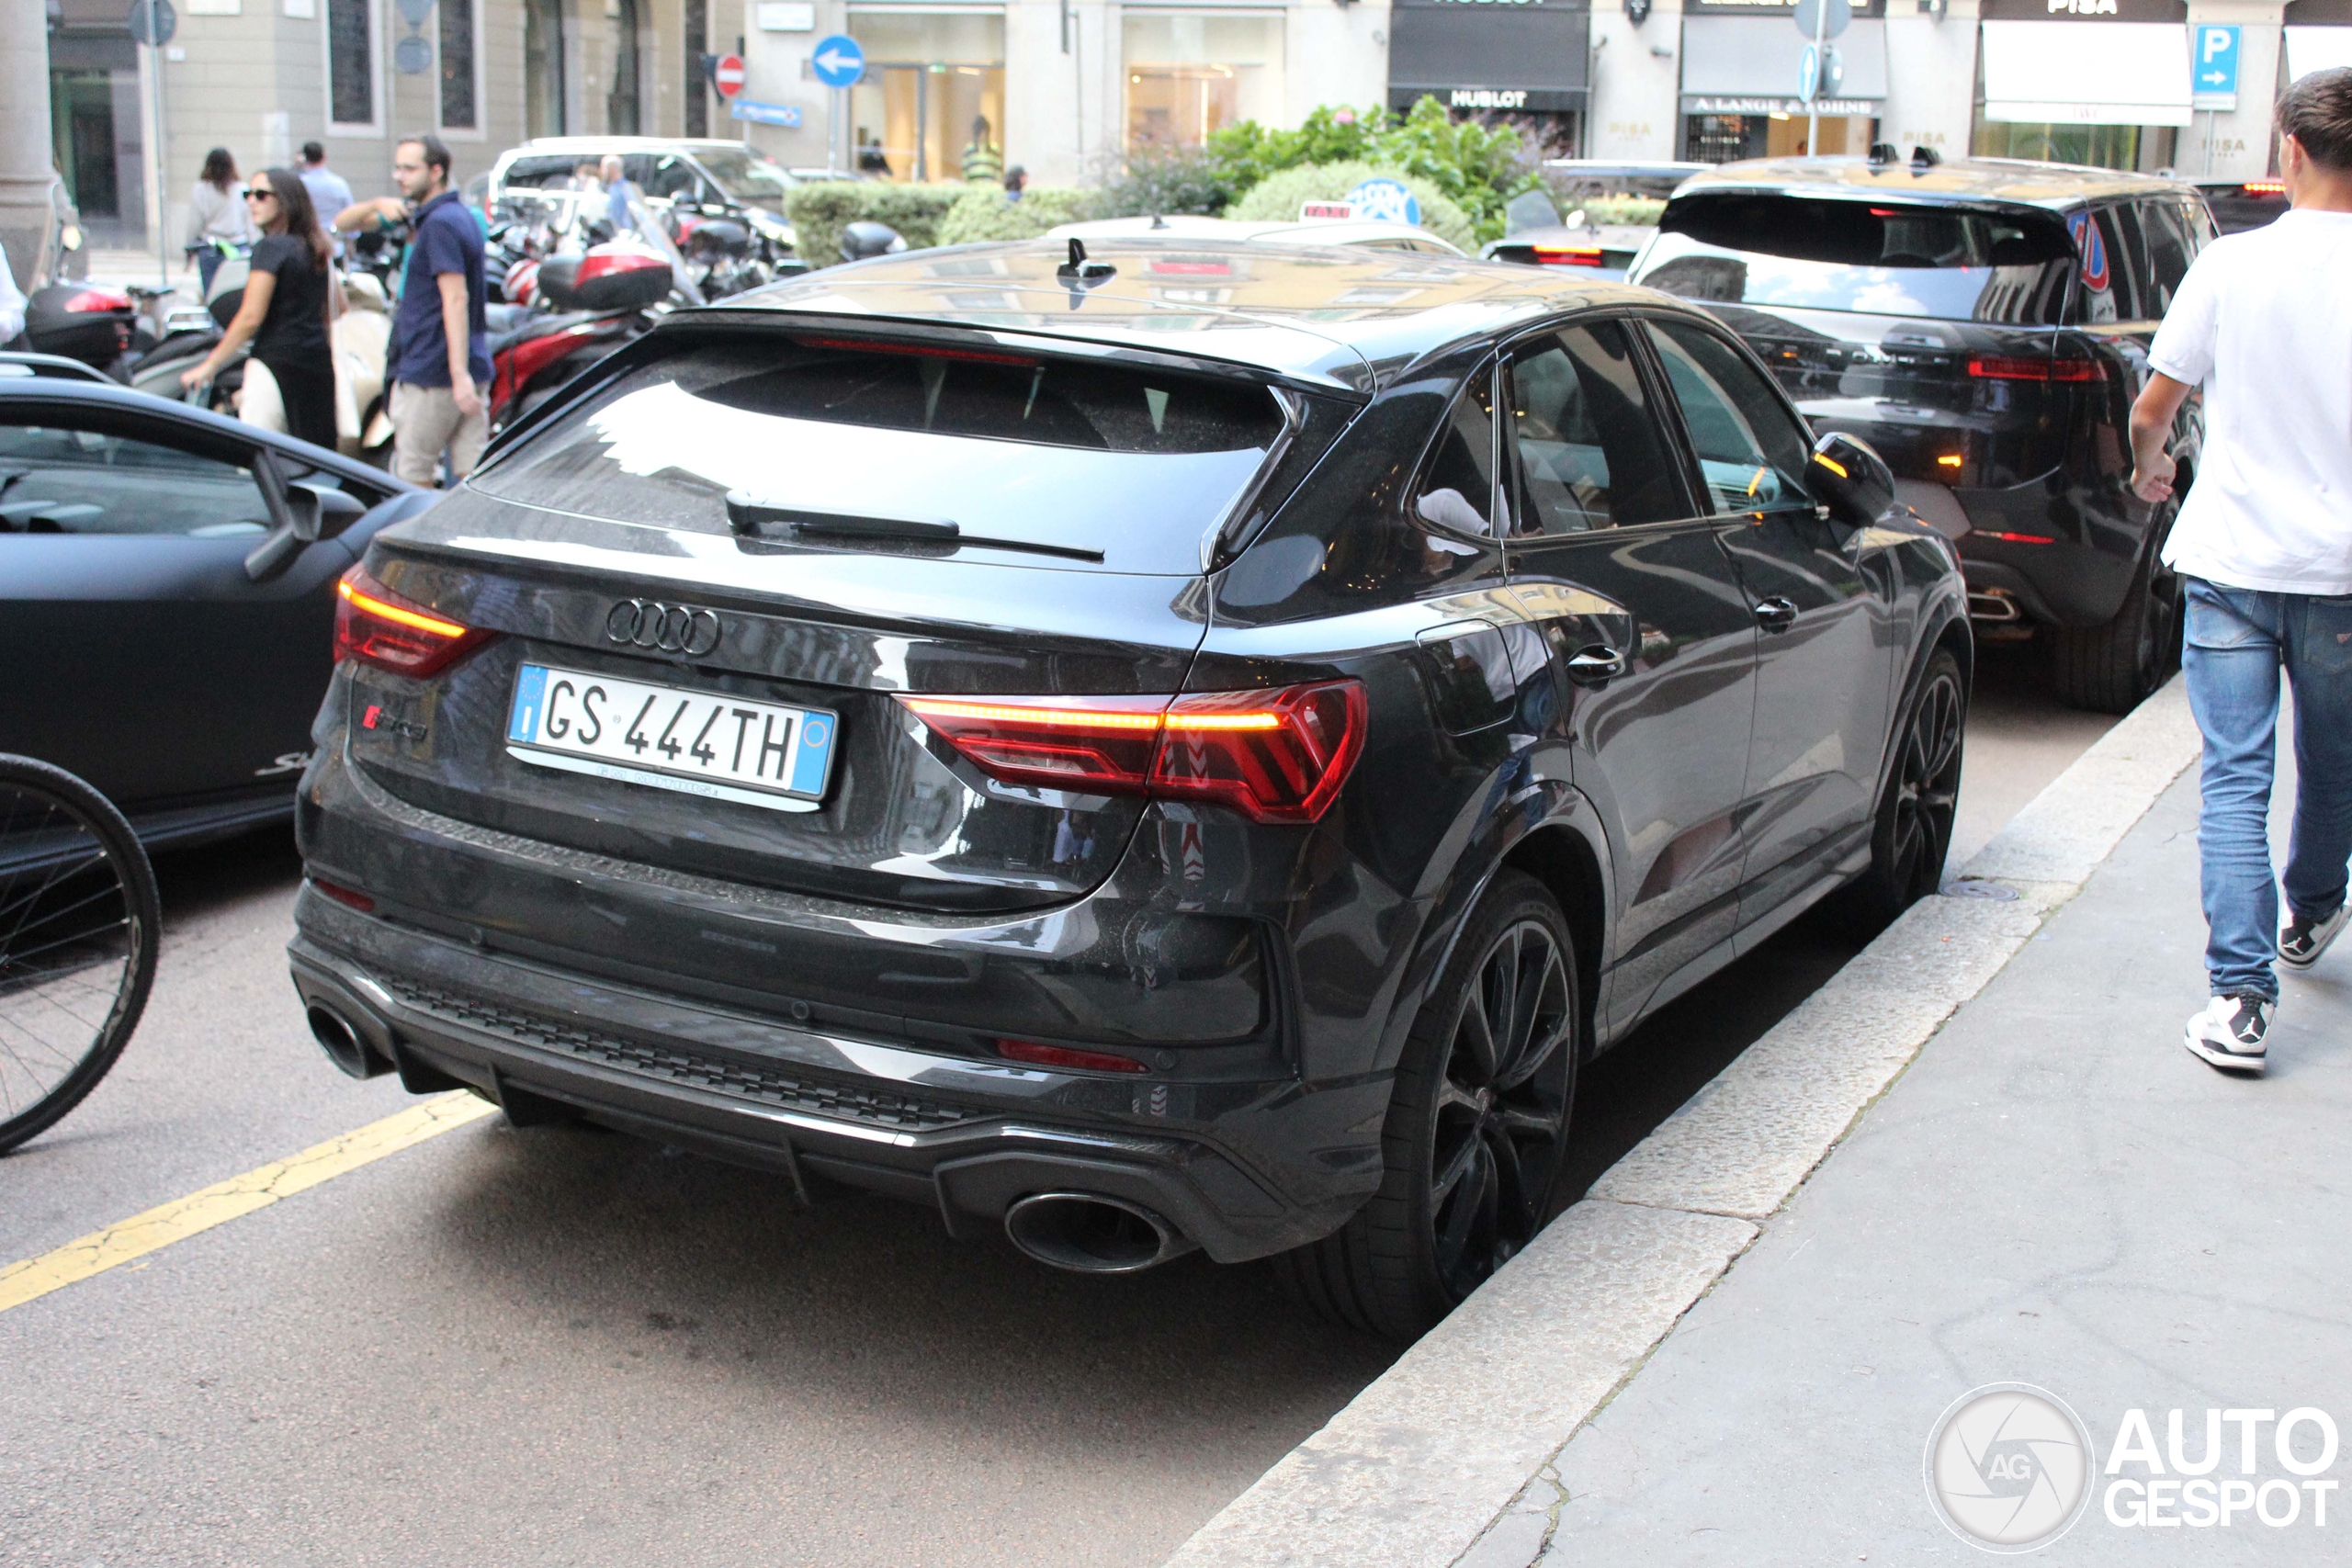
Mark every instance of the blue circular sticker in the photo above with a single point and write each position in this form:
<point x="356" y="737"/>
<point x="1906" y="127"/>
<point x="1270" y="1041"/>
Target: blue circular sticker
<point x="1386" y="201"/>
<point x="2093" y="248"/>
<point x="813" y="733"/>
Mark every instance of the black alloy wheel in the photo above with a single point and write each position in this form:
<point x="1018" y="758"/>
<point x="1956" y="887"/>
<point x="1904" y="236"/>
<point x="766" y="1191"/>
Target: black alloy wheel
<point x="2111" y="669"/>
<point x="1478" y="1127"/>
<point x="1912" y="833"/>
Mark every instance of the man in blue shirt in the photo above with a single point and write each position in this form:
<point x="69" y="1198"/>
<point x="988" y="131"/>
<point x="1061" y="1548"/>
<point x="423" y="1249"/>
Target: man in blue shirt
<point x="330" y="192"/>
<point x="439" y="360"/>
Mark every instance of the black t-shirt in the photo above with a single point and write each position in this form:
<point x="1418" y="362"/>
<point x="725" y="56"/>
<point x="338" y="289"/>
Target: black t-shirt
<point x="295" y="330"/>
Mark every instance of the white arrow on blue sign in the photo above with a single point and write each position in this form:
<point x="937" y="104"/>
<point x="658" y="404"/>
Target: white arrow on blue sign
<point x="1808" y="74"/>
<point x="2213" y="67"/>
<point x="838" y="62"/>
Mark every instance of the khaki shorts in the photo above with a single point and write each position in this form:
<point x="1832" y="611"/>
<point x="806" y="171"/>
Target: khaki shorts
<point x="425" y="420"/>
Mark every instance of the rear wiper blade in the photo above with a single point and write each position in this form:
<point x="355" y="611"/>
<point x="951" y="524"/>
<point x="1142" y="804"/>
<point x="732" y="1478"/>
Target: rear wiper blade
<point x="748" y="517"/>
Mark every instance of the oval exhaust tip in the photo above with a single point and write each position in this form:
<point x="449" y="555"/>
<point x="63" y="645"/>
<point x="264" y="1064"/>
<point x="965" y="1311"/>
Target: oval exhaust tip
<point x="340" y="1041"/>
<point x="1088" y="1234"/>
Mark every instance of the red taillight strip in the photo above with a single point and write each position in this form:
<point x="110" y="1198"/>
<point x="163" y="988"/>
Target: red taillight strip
<point x="2000" y="368"/>
<point x="1064" y="1056"/>
<point x="1547" y="256"/>
<point x="1040" y="716"/>
<point x="397" y="614"/>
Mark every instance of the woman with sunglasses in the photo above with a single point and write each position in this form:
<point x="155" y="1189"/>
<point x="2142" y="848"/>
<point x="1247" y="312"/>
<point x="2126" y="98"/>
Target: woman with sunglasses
<point x="286" y="309"/>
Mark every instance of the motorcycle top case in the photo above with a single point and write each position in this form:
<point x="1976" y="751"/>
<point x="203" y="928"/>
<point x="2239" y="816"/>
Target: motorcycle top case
<point x="96" y="336"/>
<point x="608" y="278"/>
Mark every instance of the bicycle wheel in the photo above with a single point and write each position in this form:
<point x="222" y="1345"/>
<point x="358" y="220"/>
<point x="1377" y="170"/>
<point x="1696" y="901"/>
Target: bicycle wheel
<point x="79" y="923"/>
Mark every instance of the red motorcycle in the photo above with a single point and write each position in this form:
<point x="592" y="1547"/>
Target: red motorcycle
<point x="596" y="300"/>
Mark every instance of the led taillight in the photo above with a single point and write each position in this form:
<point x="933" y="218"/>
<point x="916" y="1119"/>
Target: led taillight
<point x="1275" y="756"/>
<point x="2265" y="188"/>
<point x="377" y="626"/>
<point x="1998" y="368"/>
<point x="1566" y="256"/>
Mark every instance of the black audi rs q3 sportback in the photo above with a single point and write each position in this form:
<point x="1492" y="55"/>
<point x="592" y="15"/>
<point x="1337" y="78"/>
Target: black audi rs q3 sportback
<point x="1188" y="747"/>
<point x="1985" y="326"/>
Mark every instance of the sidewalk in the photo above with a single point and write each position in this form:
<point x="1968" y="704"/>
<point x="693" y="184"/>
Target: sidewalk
<point x="2054" y="1192"/>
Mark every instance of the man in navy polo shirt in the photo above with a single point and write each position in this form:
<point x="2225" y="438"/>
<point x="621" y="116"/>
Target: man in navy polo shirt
<point x="440" y="363"/>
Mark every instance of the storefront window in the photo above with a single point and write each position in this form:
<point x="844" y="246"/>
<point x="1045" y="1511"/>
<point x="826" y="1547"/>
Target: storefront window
<point x="932" y="105"/>
<point x="1726" y="138"/>
<point x="1190" y="73"/>
<point x="2100" y="146"/>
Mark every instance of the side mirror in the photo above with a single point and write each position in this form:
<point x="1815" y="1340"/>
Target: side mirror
<point x="1848" y="479"/>
<point x="320" y="512"/>
<point x="313" y="511"/>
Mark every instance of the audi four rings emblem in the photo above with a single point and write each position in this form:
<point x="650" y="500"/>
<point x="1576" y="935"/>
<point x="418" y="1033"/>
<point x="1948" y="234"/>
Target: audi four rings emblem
<point x="664" y="629"/>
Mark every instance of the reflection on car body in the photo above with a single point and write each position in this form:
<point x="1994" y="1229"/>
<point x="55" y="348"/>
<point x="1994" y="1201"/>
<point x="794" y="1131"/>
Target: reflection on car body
<point x="1985" y="326"/>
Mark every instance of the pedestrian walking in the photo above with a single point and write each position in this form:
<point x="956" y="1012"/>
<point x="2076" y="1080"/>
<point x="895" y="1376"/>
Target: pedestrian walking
<point x="2263" y="548"/>
<point x="287" y="309"/>
<point x="983" y="159"/>
<point x="216" y="210"/>
<point x="330" y="192"/>
<point x="439" y="360"/>
<point x="618" y="192"/>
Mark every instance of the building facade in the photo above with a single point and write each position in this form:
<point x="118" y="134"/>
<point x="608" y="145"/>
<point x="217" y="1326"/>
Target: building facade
<point x="963" y="88"/>
<point x="261" y="77"/>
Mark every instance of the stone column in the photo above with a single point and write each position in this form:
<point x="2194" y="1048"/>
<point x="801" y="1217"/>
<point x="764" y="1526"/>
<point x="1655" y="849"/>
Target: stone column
<point x="25" y="166"/>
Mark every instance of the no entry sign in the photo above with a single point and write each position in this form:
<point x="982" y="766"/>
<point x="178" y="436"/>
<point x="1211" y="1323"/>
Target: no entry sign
<point x="728" y="76"/>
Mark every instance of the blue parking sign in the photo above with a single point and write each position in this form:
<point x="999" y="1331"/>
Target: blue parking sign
<point x="2213" y="67"/>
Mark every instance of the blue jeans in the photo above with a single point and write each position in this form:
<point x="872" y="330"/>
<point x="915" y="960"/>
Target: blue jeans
<point x="2237" y="641"/>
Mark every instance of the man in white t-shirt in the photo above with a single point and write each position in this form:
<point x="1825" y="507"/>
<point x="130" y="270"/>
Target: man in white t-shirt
<point x="2263" y="546"/>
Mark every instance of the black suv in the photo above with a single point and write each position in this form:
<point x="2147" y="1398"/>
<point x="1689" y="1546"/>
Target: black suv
<point x="1985" y="326"/>
<point x="1129" y="751"/>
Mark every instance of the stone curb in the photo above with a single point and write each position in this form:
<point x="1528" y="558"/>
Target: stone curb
<point x="1445" y="1459"/>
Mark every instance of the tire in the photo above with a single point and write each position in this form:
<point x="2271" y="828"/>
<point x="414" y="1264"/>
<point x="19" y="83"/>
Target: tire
<point x="1472" y="1152"/>
<point x="1911" y="829"/>
<point x="79" y="926"/>
<point x="2110" y="669"/>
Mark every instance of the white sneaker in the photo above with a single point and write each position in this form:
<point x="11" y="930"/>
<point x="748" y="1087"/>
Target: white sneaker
<point x="2232" y="1034"/>
<point x="2303" y="940"/>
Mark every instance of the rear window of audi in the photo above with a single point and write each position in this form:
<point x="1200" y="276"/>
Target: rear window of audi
<point x="1081" y="455"/>
<point x="1871" y="257"/>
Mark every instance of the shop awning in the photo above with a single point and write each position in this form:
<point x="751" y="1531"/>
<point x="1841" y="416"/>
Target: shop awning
<point x="2096" y="73"/>
<point x="1748" y="65"/>
<point x="2316" y="48"/>
<point x="1490" y="57"/>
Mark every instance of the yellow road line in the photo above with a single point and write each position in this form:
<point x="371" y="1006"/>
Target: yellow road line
<point x="239" y="1195"/>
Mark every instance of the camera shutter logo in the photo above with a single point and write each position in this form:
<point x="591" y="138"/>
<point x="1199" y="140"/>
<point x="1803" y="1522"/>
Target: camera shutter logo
<point x="663" y="628"/>
<point x="2008" y="1467"/>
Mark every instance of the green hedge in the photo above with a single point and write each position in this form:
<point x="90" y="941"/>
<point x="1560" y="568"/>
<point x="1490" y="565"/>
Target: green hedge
<point x="1279" y="196"/>
<point x="984" y="213"/>
<point x="820" y="210"/>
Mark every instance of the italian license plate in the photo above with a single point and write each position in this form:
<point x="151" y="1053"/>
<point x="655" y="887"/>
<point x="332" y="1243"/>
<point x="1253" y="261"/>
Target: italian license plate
<point x="707" y="743"/>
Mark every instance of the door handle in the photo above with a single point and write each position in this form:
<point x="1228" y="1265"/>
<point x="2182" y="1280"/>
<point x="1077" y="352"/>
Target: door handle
<point x="1777" y="614"/>
<point x="1595" y="665"/>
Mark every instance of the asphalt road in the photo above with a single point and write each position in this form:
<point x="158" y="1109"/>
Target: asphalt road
<point x="558" y="1345"/>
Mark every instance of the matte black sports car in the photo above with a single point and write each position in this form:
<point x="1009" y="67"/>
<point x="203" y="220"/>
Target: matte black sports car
<point x="1985" y="325"/>
<point x="169" y="579"/>
<point x="1128" y="750"/>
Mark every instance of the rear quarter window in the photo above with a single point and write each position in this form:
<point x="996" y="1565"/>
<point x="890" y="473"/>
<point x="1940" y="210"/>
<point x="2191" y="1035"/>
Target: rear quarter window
<point x="1134" y="463"/>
